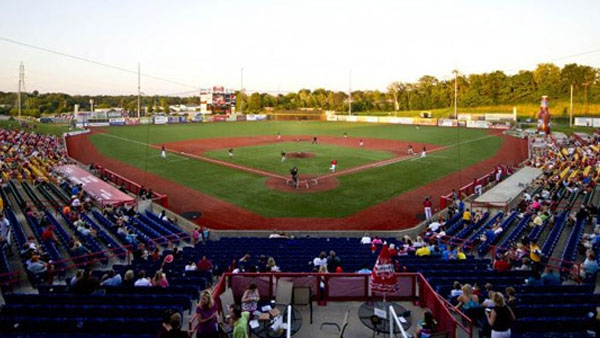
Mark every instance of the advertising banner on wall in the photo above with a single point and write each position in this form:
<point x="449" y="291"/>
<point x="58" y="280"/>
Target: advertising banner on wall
<point x="372" y="119"/>
<point x="478" y="124"/>
<point x="584" y="121"/>
<point x="116" y="121"/>
<point x="250" y="117"/>
<point x="173" y="119"/>
<point x="261" y="117"/>
<point x="160" y="120"/>
<point x="425" y="121"/>
<point x="352" y="118"/>
<point x="132" y="121"/>
<point x="331" y="118"/>
<point x="401" y="120"/>
<point x="145" y="120"/>
<point x="220" y="118"/>
<point x="208" y="118"/>
<point x="446" y="123"/>
<point x="241" y="117"/>
<point x="341" y="118"/>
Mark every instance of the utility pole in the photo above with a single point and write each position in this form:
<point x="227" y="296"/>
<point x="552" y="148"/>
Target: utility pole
<point x="139" y="93"/>
<point x="21" y="86"/>
<point x="455" y="93"/>
<point x="350" y="94"/>
<point x="241" y="89"/>
<point x="571" y="109"/>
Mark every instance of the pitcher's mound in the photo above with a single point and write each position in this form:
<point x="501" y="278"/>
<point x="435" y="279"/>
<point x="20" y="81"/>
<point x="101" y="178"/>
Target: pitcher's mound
<point x="306" y="185"/>
<point x="299" y="154"/>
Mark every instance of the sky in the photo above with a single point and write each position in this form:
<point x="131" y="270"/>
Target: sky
<point x="284" y="45"/>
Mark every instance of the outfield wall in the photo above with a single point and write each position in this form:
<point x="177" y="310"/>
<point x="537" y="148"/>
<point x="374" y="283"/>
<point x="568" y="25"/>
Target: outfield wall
<point x="417" y="121"/>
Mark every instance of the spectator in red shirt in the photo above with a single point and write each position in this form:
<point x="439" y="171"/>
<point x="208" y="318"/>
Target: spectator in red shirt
<point x="501" y="264"/>
<point x="47" y="235"/>
<point x="204" y="264"/>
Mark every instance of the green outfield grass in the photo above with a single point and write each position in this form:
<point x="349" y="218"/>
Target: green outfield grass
<point x="268" y="157"/>
<point x="356" y="191"/>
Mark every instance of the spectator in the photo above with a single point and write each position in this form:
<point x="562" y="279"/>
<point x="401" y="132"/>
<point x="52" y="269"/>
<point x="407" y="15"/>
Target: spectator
<point x="244" y="263"/>
<point x="4" y="231"/>
<point x="461" y="255"/>
<point x="190" y="266"/>
<point x="590" y="265"/>
<point x="376" y="241"/>
<point x="511" y="296"/>
<point x="427" y="326"/>
<point x="195" y="236"/>
<point x="36" y="266"/>
<point x="365" y="240"/>
<point x="321" y="260"/>
<point x="47" y="234"/>
<point x="468" y="300"/>
<point x="423" y="251"/>
<point x="239" y="321"/>
<point x="75" y="278"/>
<point x="333" y="261"/>
<point x="205" y="265"/>
<point x="142" y="281"/>
<point x="500" y="317"/>
<point x="250" y="298"/>
<point x="111" y="279"/>
<point x="550" y="278"/>
<point x="87" y="284"/>
<point x="272" y="265"/>
<point x="501" y="264"/>
<point x="456" y="290"/>
<point x="155" y="254"/>
<point x="140" y="254"/>
<point x="535" y="279"/>
<point x="466" y="217"/>
<point x="128" y="279"/>
<point x="525" y="265"/>
<point x="160" y="279"/>
<point x="207" y="314"/>
<point x="364" y="269"/>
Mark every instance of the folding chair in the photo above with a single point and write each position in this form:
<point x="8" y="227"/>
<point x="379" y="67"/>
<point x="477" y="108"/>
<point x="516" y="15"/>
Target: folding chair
<point x="302" y="295"/>
<point x="340" y="329"/>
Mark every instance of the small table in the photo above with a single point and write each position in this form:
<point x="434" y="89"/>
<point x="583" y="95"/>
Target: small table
<point x="366" y="314"/>
<point x="264" y="328"/>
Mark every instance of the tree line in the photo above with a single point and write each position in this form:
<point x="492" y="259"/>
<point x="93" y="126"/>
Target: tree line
<point x="486" y="89"/>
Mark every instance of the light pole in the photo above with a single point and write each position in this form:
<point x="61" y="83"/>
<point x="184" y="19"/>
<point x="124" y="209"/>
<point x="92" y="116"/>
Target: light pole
<point x="571" y="109"/>
<point x="455" y="93"/>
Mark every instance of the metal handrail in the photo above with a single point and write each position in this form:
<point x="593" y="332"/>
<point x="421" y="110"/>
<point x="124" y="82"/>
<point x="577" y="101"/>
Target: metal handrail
<point x="289" y="322"/>
<point x="394" y="319"/>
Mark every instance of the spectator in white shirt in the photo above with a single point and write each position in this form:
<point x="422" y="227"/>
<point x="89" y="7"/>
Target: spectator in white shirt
<point x="142" y="280"/>
<point x="191" y="266"/>
<point x="321" y="260"/>
<point x="365" y="239"/>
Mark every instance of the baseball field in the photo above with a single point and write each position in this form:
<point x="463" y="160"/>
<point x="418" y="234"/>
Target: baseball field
<point x="377" y="185"/>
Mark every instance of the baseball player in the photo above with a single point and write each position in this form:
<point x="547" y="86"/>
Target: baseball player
<point x="278" y="136"/>
<point x="314" y="141"/>
<point x="361" y="143"/>
<point x="424" y="152"/>
<point x="410" y="150"/>
<point x="282" y="156"/>
<point x="230" y="152"/>
<point x="333" y="166"/>
<point x="163" y="153"/>
<point x="345" y="135"/>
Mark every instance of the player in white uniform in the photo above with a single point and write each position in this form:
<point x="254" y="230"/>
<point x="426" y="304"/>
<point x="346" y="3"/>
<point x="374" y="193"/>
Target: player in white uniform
<point x="163" y="153"/>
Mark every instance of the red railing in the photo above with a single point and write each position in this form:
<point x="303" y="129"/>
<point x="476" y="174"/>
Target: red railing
<point x="130" y="185"/>
<point x="9" y="278"/>
<point x="346" y="287"/>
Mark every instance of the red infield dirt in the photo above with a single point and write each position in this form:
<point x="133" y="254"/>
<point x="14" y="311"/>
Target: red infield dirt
<point x="397" y="213"/>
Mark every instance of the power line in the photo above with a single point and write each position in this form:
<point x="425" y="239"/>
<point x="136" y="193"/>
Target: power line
<point x="98" y="63"/>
